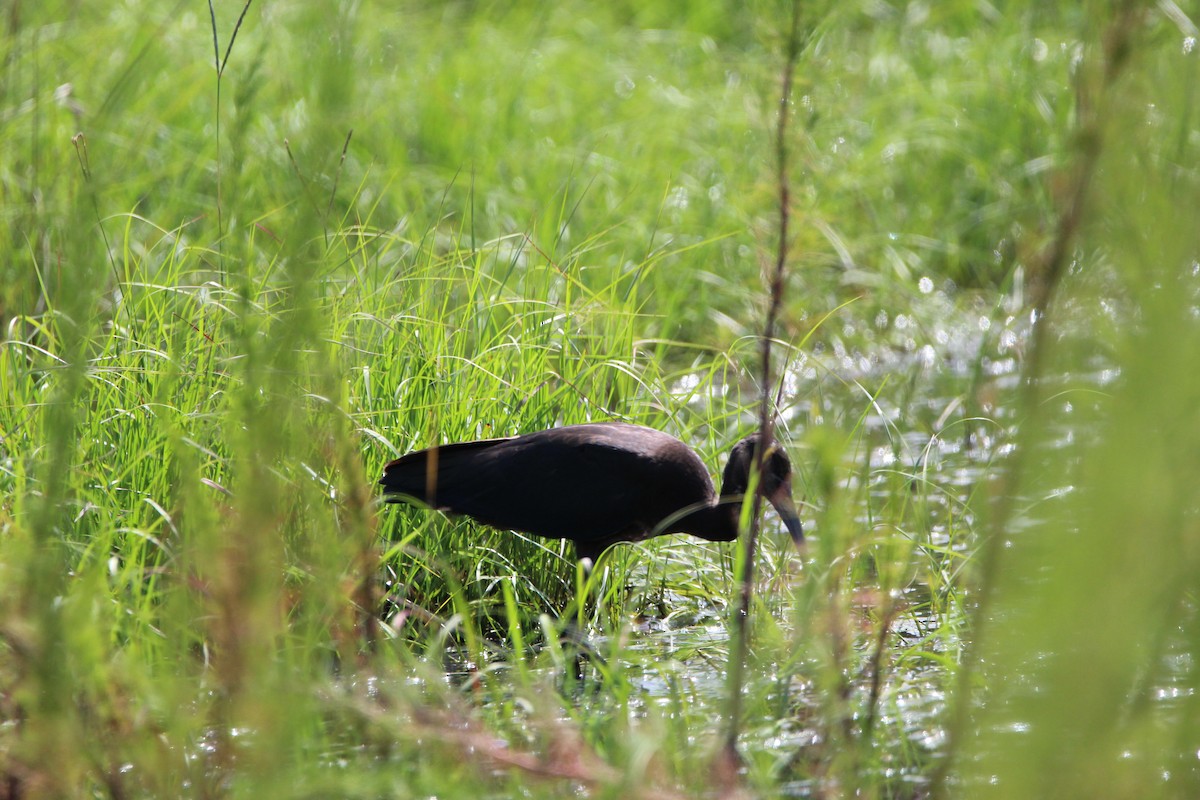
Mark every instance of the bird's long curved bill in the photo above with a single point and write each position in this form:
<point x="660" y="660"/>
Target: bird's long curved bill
<point x="782" y="501"/>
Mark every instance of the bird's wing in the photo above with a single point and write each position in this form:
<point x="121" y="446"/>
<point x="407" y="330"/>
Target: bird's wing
<point x="594" y="484"/>
<point x="567" y="487"/>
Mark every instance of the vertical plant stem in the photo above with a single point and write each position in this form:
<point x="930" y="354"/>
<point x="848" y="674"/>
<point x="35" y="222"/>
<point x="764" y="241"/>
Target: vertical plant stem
<point x="775" y="286"/>
<point x="34" y="625"/>
<point x="1094" y="88"/>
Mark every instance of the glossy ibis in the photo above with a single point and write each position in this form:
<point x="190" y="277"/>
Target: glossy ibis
<point x="595" y="484"/>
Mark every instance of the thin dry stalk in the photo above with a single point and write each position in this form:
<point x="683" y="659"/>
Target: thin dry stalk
<point x="567" y="759"/>
<point x="79" y="140"/>
<point x="875" y="667"/>
<point x="361" y="525"/>
<point x="220" y="63"/>
<point x="775" y="289"/>
<point x="337" y="176"/>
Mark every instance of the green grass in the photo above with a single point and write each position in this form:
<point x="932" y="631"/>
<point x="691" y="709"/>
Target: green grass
<point x="228" y="303"/>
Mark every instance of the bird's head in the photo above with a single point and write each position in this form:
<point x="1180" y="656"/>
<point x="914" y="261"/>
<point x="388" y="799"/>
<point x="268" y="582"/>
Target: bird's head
<point x="776" y="480"/>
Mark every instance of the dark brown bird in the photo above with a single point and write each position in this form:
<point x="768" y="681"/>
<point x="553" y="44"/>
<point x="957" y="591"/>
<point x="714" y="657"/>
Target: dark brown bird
<point x="596" y="484"/>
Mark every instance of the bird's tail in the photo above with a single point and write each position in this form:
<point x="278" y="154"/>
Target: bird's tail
<point x="425" y="474"/>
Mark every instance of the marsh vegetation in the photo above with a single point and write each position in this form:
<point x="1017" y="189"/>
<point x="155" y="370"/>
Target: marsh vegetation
<point x="250" y="257"/>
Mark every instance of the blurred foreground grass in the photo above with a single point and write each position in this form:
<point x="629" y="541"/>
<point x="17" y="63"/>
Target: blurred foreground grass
<point x="404" y="224"/>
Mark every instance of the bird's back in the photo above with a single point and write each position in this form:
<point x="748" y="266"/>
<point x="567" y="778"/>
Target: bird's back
<point x="596" y="483"/>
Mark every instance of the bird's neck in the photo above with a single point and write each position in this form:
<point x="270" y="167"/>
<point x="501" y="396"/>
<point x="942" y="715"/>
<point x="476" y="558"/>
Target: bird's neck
<point x="716" y="523"/>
